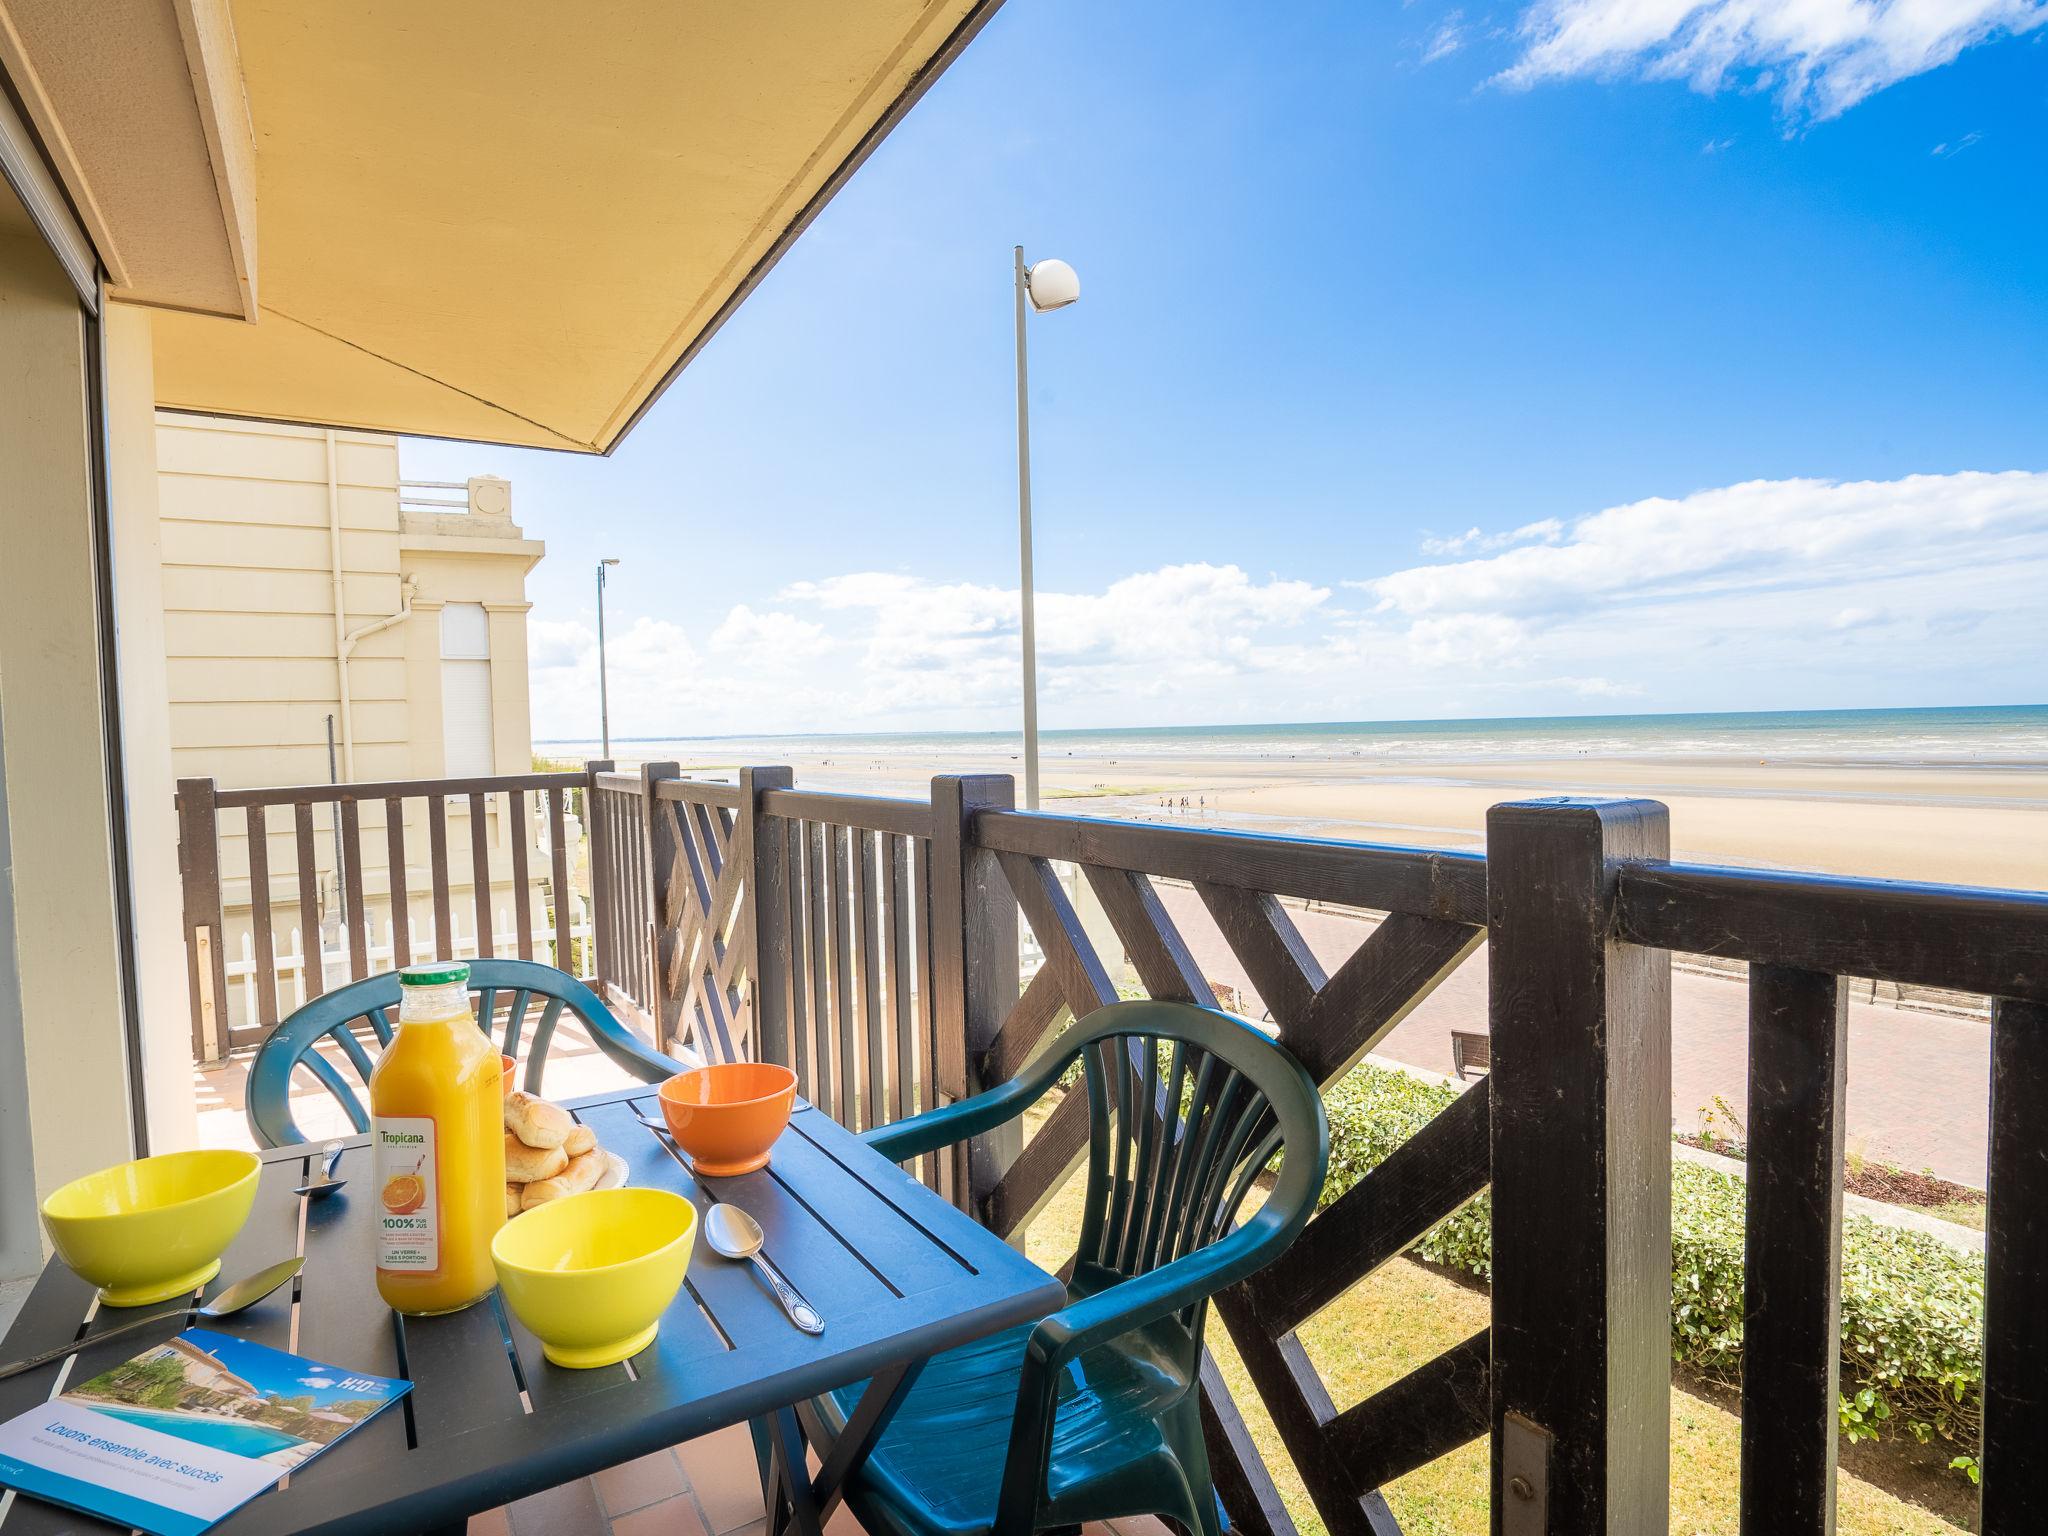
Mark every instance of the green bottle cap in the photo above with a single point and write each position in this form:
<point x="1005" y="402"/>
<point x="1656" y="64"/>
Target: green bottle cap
<point x="435" y="973"/>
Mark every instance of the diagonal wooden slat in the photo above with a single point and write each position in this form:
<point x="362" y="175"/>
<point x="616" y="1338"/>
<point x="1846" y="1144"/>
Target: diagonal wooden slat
<point x="1068" y="952"/>
<point x="1271" y="949"/>
<point x="1400" y="963"/>
<point x="723" y="902"/>
<point x="1242" y="1480"/>
<point x="1051" y="1155"/>
<point x="688" y="833"/>
<point x="1300" y="1406"/>
<point x="1428" y="1413"/>
<point x="1330" y="1021"/>
<point x="1040" y="1169"/>
<point x="1038" y="1008"/>
<point x="1423" y="1180"/>
<point x="1158" y="952"/>
<point x="705" y="941"/>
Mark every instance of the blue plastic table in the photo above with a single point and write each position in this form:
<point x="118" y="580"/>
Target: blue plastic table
<point x="898" y="1273"/>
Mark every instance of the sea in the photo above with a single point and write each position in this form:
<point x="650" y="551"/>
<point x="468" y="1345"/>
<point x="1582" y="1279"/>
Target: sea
<point x="2014" y="735"/>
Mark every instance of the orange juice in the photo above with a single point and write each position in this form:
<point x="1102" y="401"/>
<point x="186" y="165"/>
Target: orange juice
<point x="437" y="1122"/>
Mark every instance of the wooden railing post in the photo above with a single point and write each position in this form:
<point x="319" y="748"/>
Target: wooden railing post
<point x="974" y="959"/>
<point x="604" y="900"/>
<point x="2014" y="1464"/>
<point x="205" y="942"/>
<point x="664" y="904"/>
<point x="762" y="842"/>
<point x="1581" y="1102"/>
<point x="1792" y="1249"/>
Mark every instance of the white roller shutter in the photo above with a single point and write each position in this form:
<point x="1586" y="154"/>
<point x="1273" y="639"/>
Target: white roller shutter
<point x="466" y="734"/>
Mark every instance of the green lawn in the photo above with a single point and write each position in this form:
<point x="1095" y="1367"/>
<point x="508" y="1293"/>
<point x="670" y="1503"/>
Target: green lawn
<point x="1408" y="1314"/>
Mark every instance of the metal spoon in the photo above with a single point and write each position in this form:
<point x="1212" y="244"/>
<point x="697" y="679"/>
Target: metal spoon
<point x="326" y="1183"/>
<point x="660" y="1128"/>
<point x="243" y="1293"/>
<point x="736" y="1235"/>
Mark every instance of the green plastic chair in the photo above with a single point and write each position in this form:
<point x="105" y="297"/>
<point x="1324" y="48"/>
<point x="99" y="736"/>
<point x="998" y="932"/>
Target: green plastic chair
<point x="1093" y="1413"/>
<point x="339" y="1015"/>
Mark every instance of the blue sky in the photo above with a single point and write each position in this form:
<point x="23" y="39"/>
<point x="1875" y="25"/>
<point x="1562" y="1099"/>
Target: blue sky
<point x="1723" y="322"/>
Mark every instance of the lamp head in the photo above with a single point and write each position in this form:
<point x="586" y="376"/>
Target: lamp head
<point x="1052" y="284"/>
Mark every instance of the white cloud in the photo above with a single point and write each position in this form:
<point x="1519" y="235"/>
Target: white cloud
<point x="1786" y="593"/>
<point x="1821" y="56"/>
<point x="1476" y="640"/>
<point x="552" y="643"/>
<point x="1548" y="530"/>
<point x="1446" y="40"/>
<point x="1949" y="149"/>
<point x="932" y="643"/>
<point x="1595" y="687"/>
<point x="1760" y="534"/>
<point x="771" y="636"/>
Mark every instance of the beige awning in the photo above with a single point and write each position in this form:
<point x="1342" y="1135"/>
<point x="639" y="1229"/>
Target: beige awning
<point x="517" y="222"/>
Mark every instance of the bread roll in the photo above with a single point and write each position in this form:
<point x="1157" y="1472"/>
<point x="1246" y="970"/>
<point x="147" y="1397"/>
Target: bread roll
<point x="581" y="1174"/>
<point x="524" y="1164"/>
<point x="579" y="1141"/>
<point x="515" y="1196"/>
<point x="535" y="1121"/>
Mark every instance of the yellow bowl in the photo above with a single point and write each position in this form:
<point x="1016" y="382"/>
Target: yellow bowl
<point x="155" y="1228"/>
<point x="591" y="1274"/>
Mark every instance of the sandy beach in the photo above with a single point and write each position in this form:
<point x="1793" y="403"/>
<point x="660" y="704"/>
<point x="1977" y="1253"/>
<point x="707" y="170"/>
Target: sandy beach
<point x="1960" y="822"/>
<point x="1911" y="795"/>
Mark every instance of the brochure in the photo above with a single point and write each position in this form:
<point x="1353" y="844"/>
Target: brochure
<point x="184" y="1434"/>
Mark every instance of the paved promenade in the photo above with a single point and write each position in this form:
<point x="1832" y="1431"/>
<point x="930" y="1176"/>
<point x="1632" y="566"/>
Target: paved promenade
<point x="1918" y="1082"/>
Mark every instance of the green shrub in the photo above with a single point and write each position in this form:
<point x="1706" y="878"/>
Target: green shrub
<point x="1912" y="1305"/>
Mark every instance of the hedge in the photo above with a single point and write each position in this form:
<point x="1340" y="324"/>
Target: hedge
<point x="1912" y="1305"/>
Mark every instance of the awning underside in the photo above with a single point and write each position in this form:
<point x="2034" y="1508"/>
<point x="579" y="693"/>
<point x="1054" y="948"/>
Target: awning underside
<point x="513" y="223"/>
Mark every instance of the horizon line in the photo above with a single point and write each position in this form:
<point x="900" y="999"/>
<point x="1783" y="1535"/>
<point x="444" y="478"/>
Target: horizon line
<point x="1283" y="725"/>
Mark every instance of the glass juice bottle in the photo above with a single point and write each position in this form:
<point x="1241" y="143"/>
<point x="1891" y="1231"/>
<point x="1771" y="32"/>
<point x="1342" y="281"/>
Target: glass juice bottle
<point x="437" y="1122"/>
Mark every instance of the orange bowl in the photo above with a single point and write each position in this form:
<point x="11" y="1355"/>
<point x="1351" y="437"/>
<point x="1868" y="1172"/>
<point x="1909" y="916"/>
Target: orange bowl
<point x="728" y="1117"/>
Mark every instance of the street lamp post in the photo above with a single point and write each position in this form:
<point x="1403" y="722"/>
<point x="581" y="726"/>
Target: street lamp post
<point x="604" y="698"/>
<point x="1048" y="284"/>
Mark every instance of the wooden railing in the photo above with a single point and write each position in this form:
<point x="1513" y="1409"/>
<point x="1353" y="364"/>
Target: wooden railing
<point x="1579" y="908"/>
<point x="752" y="921"/>
<point x="873" y="946"/>
<point x="265" y="870"/>
<point x="1801" y="935"/>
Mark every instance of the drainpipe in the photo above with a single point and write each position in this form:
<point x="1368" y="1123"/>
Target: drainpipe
<point x="341" y="646"/>
<point x="345" y="639"/>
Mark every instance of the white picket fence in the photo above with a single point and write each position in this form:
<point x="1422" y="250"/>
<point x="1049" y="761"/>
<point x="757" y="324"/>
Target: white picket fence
<point x="292" y="978"/>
